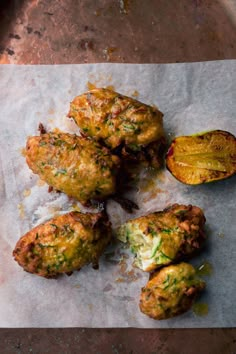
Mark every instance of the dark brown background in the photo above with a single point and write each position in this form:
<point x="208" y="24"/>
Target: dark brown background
<point x="134" y="31"/>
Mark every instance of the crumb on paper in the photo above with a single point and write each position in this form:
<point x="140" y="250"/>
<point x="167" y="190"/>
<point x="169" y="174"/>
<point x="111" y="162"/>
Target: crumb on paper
<point x="119" y="280"/>
<point x="90" y="306"/>
<point x="135" y="94"/>
<point x="77" y="286"/>
<point x="21" y="210"/>
<point x="91" y="86"/>
<point x="26" y="192"/>
<point x="126" y="275"/>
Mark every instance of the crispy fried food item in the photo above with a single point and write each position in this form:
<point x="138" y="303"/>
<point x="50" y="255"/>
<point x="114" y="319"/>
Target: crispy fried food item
<point x="165" y="236"/>
<point x="170" y="291"/>
<point x="77" y="166"/>
<point x="202" y="158"/>
<point x="63" y="244"/>
<point x="120" y="122"/>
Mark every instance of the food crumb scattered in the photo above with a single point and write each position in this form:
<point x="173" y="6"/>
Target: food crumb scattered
<point x="91" y="86"/>
<point x="26" y="192"/>
<point x="21" y="210"/>
<point x="135" y="94"/>
<point x="120" y="280"/>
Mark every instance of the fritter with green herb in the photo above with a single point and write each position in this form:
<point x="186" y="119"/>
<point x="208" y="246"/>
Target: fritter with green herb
<point x="165" y="236"/>
<point x="120" y="122"/>
<point x="63" y="244"/>
<point x="77" y="166"/>
<point x="170" y="291"/>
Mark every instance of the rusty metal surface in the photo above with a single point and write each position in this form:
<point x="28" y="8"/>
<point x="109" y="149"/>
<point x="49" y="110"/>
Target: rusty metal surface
<point x="114" y="341"/>
<point x="154" y="31"/>
<point x="137" y="31"/>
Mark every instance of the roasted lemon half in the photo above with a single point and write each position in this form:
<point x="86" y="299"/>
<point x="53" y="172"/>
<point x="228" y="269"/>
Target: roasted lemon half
<point x="202" y="158"/>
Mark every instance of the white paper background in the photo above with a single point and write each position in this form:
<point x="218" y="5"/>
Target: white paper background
<point x="194" y="97"/>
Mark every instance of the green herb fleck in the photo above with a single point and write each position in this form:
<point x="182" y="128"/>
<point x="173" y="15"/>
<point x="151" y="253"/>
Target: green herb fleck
<point x="42" y="143"/>
<point x="58" y="142"/>
<point x="45" y="246"/>
<point x="54" y="225"/>
<point x="166" y="231"/>
<point x="61" y="171"/>
<point x="155" y="249"/>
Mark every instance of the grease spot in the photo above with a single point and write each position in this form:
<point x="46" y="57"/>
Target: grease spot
<point x="200" y="309"/>
<point x="110" y="87"/>
<point x="51" y="111"/>
<point x="204" y="269"/>
<point x="40" y="183"/>
<point x="23" y="152"/>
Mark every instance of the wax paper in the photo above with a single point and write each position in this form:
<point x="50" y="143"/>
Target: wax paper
<point x="194" y="97"/>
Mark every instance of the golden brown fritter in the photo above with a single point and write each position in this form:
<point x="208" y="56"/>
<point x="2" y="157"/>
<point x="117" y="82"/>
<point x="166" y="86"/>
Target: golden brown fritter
<point x="170" y="291"/>
<point x="63" y="244"/>
<point x="117" y="120"/>
<point x="202" y="158"/>
<point x="165" y="236"/>
<point x="77" y="166"/>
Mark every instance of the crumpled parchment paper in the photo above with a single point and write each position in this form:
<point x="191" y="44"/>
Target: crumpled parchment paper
<point x="194" y="97"/>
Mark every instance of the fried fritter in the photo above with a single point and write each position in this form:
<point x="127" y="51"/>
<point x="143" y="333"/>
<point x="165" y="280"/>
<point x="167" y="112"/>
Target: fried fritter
<point x="63" y="244"/>
<point x="165" y="236"/>
<point x="77" y="166"/>
<point x="116" y="120"/>
<point x="202" y="158"/>
<point x="170" y="291"/>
